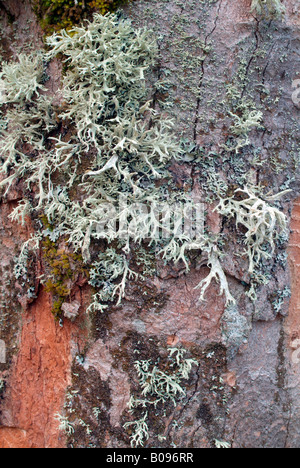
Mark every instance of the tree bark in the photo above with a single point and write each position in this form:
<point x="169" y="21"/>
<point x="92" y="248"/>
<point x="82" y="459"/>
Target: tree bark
<point x="246" y="388"/>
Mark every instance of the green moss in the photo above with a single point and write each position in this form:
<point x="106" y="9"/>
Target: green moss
<point x="64" y="268"/>
<point x="58" y="14"/>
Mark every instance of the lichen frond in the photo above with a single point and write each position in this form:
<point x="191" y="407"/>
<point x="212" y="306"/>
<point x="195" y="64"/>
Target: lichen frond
<point x="157" y="387"/>
<point x="262" y="221"/>
<point x="217" y="273"/>
<point x="21" y="80"/>
<point x="116" y="146"/>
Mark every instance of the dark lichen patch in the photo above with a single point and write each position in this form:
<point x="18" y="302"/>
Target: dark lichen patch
<point x="122" y="355"/>
<point x="101" y="324"/>
<point x="281" y="373"/>
<point x="204" y="414"/>
<point x="87" y="409"/>
<point x="64" y="14"/>
<point x="211" y="404"/>
<point x="147" y="298"/>
<point x="3" y="7"/>
<point x="133" y="347"/>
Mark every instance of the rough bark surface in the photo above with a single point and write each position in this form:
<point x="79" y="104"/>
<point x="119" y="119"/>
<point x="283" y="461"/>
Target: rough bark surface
<point x="246" y="390"/>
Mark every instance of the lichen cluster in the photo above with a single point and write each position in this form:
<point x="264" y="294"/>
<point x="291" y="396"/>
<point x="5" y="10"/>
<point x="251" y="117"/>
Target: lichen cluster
<point x="105" y="144"/>
<point x="85" y="161"/>
<point x="263" y="223"/>
<point x="157" y="387"/>
<point x="268" y="8"/>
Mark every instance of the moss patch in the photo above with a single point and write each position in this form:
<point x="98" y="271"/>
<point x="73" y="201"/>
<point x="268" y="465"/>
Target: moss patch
<point x="58" y="14"/>
<point x="64" y="269"/>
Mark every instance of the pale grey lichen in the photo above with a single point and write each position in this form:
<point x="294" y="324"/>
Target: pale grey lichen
<point x="21" y="80"/>
<point x="263" y="222"/>
<point x="110" y="267"/>
<point x="140" y="431"/>
<point x="280" y="298"/>
<point x="217" y="273"/>
<point x="126" y="142"/>
<point x="117" y="146"/>
<point x="28" y="119"/>
<point x="244" y="113"/>
<point x="64" y="424"/>
<point x="251" y="119"/>
<point x="130" y="144"/>
<point x="268" y="8"/>
<point x="220" y="444"/>
<point x="158" y="387"/>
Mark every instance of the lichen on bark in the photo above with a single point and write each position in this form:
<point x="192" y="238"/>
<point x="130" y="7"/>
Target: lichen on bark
<point x="224" y="75"/>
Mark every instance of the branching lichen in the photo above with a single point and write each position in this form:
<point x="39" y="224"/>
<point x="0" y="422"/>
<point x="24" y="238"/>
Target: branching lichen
<point x="124" y="143"/>
<point x="64" y="424"/>
<point x="263" y="222"/>
<point x="157" y="388"/>
<point x="91" y="180"/>
<point x="21" y="80"/>
<point x="220" y="444"/>
<point x="140" y="431"/>
<point x="216" y="272"/>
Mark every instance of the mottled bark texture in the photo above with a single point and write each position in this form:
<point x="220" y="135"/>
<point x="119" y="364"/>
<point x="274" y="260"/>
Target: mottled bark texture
<point x="246" y="389"/>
